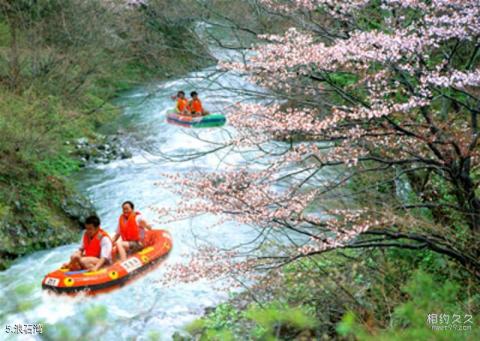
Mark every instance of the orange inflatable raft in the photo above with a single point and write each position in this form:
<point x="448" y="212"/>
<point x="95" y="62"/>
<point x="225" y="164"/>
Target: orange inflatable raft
<point x="158" y="245"/>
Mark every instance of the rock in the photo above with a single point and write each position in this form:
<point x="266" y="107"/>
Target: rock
<point x="95" y="153"/>
<point x="82" y="141"/>
<point x="18" y="205"/>
<point x="126" y="155"/>
<point x="208" y="310"/>
<point x="107" y="150"/>
<point x="77" y="207"/>
<point x="181" y="336"/>
<point x="99" y="137"/>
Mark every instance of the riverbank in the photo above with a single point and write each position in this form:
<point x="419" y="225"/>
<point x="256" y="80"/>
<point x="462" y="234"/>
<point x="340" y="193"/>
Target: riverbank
<point x="49" y="119"/>
<point x="345" y="295"/>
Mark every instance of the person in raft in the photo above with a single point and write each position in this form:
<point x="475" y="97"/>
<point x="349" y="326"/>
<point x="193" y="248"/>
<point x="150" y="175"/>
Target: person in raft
<point x="182" y="107"/>
<point x="195" y="105"/>
<point x="96" y="248"/>
<point x="131" y="231"/>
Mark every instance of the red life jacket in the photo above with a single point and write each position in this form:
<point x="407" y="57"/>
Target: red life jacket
<point x="129" y="230"/>
<point x="196" y="106"/>
<point x="182" y="104"/>
<point x="92" y="247"/>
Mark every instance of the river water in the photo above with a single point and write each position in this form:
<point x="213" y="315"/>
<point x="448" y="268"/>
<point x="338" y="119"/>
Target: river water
<point x="144" y="307"/>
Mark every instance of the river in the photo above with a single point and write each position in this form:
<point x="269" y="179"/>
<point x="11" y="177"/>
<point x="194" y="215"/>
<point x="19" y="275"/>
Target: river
<point x="144" y="307"/>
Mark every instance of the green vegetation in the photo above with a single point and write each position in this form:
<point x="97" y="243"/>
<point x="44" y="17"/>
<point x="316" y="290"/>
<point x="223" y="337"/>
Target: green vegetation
<point x="428" y="301"/>
<point x="376" y="295"/>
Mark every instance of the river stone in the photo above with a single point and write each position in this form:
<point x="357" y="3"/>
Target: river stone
<point x="208" y="310"/>
<point x="182" y="336"/>
<point x="77" y="207"/>
<point x="108" y="150"/>
<point x="126" y="155"/>
<point x="82" y="141"/>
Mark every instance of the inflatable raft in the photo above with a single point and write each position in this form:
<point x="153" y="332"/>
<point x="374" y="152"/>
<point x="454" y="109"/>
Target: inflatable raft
<point x="158" y="245"/>
<point x="209" y="121"/>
